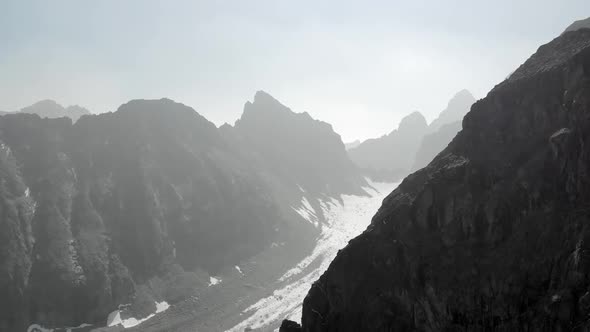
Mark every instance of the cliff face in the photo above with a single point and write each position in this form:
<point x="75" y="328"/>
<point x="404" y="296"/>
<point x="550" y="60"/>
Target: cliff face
<point x="493" y="234"/>
<point x="390" y="157"/>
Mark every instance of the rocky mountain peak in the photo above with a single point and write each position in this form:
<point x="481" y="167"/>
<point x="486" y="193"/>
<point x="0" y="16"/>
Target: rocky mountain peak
<point x="412" y="122"/>
<point x="309" y="148"/>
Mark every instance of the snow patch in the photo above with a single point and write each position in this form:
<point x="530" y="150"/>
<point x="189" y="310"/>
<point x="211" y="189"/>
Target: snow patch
<point x="306" y="211"/>
<point x="115" y="319"/>
<point x="214" y="281"/>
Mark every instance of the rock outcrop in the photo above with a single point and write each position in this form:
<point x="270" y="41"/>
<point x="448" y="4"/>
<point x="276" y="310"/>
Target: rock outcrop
<point x="493" y="235"/>
<point x="390" y="157"/>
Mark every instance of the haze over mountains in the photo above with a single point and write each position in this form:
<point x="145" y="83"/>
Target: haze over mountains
<point x="413" y="144"/>
<point x="152" y="218"/>
<point x="94" y="209"/>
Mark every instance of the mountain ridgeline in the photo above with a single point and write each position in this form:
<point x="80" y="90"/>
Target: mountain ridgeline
<point x="493" y="234"/>
<point x="413" y="144"/>
<point x="51" y="109"/>
<point x="94" y="209"/>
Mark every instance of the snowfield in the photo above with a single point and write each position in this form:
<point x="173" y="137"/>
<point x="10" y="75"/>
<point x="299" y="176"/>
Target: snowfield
<point x="344" y="222"/>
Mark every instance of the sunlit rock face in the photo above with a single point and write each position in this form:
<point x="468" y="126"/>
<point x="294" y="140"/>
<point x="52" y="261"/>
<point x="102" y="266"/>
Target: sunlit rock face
<point x="390" y="157"/>
<point x="493" y="233"/>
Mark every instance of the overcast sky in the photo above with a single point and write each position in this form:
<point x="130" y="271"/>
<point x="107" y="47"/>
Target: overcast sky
<point x="359" y="65"/>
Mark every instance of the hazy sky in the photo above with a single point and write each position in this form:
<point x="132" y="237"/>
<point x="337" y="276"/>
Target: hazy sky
<point x="360" y="65"/>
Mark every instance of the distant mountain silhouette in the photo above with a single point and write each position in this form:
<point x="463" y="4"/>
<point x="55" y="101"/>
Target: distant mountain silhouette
<point x="389" y="157"/>
<point x="456" y="109"/>
<point x="442" y="130"/>
<point x="51" y="109"/>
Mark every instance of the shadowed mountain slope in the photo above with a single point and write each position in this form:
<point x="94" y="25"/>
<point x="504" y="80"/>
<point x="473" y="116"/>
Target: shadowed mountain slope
<point x="493" y="233"/>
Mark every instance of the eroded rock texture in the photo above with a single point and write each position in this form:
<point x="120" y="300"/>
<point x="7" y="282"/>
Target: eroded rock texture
<point x="494" y="234"/>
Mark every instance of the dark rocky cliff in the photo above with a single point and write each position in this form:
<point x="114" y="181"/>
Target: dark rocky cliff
<point x="493" y="234"/>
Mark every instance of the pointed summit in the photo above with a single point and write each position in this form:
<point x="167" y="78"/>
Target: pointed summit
<point x="308" y="151"/>
<point x="456" y="109"/>
<point x="386" y="157"/>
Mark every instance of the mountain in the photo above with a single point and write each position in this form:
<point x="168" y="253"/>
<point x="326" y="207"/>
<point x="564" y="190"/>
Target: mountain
<point x="353" y="144"/>
<point x="493" y="234"/>
<point x="456" y="109"/>
<point x="433" y="143"/>
<point x="305" y="152"/>
<point x="146" y="203"/>
<point x="390" y="156"/>
<point x="51" y="109"/>
<point x="442" y="130"/>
